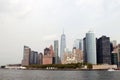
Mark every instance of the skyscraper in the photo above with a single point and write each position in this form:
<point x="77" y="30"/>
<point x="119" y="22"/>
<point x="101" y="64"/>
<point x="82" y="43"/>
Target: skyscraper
<point x="90" y="47"/>
<point x="34" y="57"/>
<point x="84" y="52"/>
<point x="51" y="50"/>
<point x="26" y="56"/>
<point x="103" y="50"/>
<point x="40" y="58"/>
<point x="56" y="48"/>
<point x="62" y="46"/>
<point x="78" y="43"/>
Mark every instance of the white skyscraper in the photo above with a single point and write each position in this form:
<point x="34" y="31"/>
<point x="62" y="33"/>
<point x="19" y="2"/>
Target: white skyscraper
<point x="91" y="47"/>
<point x="62" y="46"/>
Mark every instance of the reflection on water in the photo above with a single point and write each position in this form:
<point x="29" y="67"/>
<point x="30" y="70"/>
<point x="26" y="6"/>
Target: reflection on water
<point x="57" y="75"/>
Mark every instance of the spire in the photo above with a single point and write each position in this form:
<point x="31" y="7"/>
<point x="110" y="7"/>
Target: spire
<point x="63" y="30"/>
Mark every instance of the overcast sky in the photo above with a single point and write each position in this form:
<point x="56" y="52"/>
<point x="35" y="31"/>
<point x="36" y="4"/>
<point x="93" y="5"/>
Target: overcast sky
<point x="37" y="23"/>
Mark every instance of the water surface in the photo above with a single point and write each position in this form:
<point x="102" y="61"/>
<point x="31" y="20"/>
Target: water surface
<point x="6" y="74"/>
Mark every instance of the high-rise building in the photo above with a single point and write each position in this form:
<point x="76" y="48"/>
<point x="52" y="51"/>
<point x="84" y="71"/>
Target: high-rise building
<point x="26" y="56"/>
<point x="90" y="47"/>
<point x="40" y="58"/>
<point x="31" y="57"/>
<point x="84" y="51"/>
<point x="51" y="50"/>
<point x="47" y="58"/>
<point x="62" y="47"/>
<point x="34" y="57"/>
<point x="103" y="50"/>
<point x="78" y="43"/>
<point x="56" y="48"/>
<point x="81" y="47"/>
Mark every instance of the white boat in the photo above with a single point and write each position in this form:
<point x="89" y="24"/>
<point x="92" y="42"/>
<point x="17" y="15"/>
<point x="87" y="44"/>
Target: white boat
<point x="111" y="69"/>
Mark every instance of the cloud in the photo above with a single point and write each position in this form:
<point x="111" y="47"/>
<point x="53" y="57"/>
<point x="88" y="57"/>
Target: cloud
<point x="15" y="7"/>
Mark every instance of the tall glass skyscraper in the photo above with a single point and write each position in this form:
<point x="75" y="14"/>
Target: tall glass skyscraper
<point x="56" y="48"/>
<point x="91" y="47"/>
<point x="62" y="46"/>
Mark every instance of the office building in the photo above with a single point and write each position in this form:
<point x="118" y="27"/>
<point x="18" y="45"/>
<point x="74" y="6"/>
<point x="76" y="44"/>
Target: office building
<point x="51" y="50"/>
<point x="84" y="51"/>
<point x="26" y="56"/>
<point x="78" y="43"/>
<point x="56" y="49"/>
<point x="40" y="58"/>
<point x="47" y="58"/>
<point x="114" y="58"/>
<point x="34" y="57"/>
<point x="90" y="47"/>
<point x="103" y="50"/>
<point x="62" y="47"/>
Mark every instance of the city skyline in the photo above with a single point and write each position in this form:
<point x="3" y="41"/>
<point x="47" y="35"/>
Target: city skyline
<point x="37" y="23"/>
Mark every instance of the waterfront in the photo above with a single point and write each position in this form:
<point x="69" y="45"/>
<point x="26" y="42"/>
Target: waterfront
<point x="6" y="74"/>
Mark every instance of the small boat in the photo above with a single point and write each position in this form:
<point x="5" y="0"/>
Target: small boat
<point x="111" y="69"/>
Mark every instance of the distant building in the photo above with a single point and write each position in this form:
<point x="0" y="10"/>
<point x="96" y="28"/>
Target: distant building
<point x="46" y="51"/>
<point x="119" y="54"/>
<point x="90" y="47"/>
<point x="76" y="56"/>
<point x="51" y="51"/>
<point x="114" y="58"/>
<point x="48" y="55"/>
<point x="78" y="43"/>
<point x="56" y="49"/>
<point x="26" y="55"/>
<point x="62" y="47"/>
<point x="34" y="57"/>
<point x="84" y="51"/>
<point x="81" y="46"/>
<point x="40" y="58"/>
<point x="103" y="50"/>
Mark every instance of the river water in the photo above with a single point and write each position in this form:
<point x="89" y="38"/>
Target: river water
<point x="6" y="74"/>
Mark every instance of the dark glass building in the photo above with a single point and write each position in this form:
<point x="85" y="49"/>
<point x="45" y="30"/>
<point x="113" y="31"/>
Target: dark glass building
<point x="114" y="58"/>
<point x="34" y="57"/>
<point x="84" y="51"/>
<point x="103" y="50"/>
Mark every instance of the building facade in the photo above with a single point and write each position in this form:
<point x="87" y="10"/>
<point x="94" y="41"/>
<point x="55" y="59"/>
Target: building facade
<point x="56" y="49"/>
<point x="76" y="56"/>
<point x="114" y="58"/>
<point x="26" y="56"/>
<point x="62" y="47"/>
<point x="34" y="57"/>
<point x="40" y="58"/>
<point x="78" y="43"/>
<point x="103" y="50"/>
<point x="48" y="56"/>
<point x="90" y="47"/>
